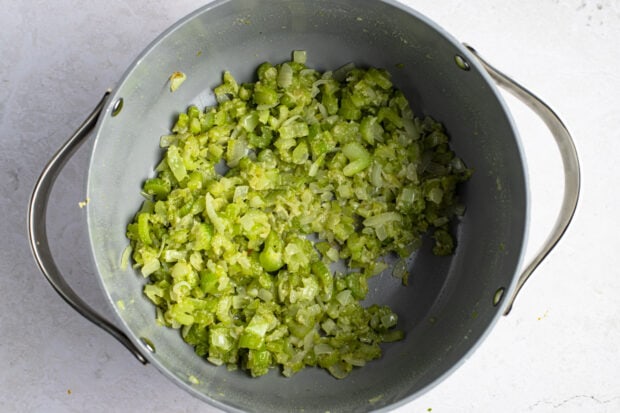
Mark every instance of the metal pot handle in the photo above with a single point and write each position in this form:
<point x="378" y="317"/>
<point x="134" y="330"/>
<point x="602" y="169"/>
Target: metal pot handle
<point x="37" y="231"/>
<point x="570" y="162"/>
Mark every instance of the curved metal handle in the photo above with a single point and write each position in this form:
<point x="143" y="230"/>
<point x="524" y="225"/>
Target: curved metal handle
<point x="37" y="231"/>
<point x="570" y="162"/>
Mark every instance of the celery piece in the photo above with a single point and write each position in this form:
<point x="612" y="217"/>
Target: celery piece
<point x="356" y="166"/>
<point x="175" y="163"/>
<point x="202" y="234"/>
<point x="158" y="187"/>
<point x="208" y="282"/>
<point x="194" y="183"/>
<point x="193" y="112"/>
<point x="379" y="77"/>
<point x="150" y="266"/>
<point x="322" y="143"/>
<point x="299" y="56"/>
<point x="435" y="195"/>
<point x="314" y="168"/>
<point x="354" y="151"/>
<point x="217" y="222"/>
<point x="348" y="109"/>
<point x="249" y="121"/>
<point x="181" y="123"/>
<point x="285" y="76"/>
<point x="255" y="226"/>
<point x="208" y="120"/>
<point x="271" y="258"/>
<point x="389" y="116"/>
<point x="322" y="272"/>
<point x="250" y="340"/>
<point x="265" y="72"/>
<point x="235" y="150"/>
<point x="359" y="157"/>
<point x="345" y="132"/>
<point x="330" y="103"/>
<point x="371" y="130"/>
<point x="194" y="126"/>
<point x="265" y="95"/>
<point x="262" y="139"/>
<point x="167" y="140"/>
<point x="143" y="229"/>
<point x="382" y="219"/>
<point x="356" y="282"/>
<point x="259" y="362"/>
<point x="300" y="153"/>
<point x="297" y="254"/>
<point x="294" y="130"/>
<point x="228" y="89"/>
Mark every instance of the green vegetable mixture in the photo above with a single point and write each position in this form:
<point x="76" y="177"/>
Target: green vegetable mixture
<point x="319" y="167"/>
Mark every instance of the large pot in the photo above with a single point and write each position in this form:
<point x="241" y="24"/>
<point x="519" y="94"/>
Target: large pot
<point x="451" y="302"/>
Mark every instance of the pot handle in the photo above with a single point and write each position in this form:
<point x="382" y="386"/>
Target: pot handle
<point x="570" y="162"/>
<point x="37" y="231"/>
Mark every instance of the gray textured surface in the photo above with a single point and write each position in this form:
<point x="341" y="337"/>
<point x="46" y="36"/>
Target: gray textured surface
<point x="557" y="350"/>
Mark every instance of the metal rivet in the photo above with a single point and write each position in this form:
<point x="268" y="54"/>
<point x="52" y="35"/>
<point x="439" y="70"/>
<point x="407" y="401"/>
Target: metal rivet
<point x="118" y="106"/>
<point x="148" y="344"/>
<point x="461" y="62"/>
<point x="497" y="297"/>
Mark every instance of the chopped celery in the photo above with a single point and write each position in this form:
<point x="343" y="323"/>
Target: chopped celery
<point x="175" y="163"/>
<point x="271" y="256"/>
<point x="337" y="157"/>
<point x="265" y="95"/>
<point x="285" y="76"/>
<point x="143" y="229"/>
<point x="158" y="187"/>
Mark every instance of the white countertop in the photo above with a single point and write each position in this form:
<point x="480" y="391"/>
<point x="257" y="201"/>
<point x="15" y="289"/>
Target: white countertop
<point x="559" y="349"/>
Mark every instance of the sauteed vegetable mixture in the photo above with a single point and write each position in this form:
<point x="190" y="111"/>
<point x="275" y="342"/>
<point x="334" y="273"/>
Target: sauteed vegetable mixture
<point x="258" y="196"/>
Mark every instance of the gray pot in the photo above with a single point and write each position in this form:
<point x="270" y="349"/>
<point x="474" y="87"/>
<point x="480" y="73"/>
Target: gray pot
<point x="451" y="302"/>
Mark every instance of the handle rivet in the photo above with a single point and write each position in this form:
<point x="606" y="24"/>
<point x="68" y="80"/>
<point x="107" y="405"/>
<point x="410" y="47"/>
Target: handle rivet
<point x="148" y="344"/>
<point x="118" y="105"/>
<point x="497" y="297"/>
<point x="461" y="62"/>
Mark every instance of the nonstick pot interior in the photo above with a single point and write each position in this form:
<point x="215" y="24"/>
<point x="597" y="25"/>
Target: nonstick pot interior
<point x="447" y="307"/>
